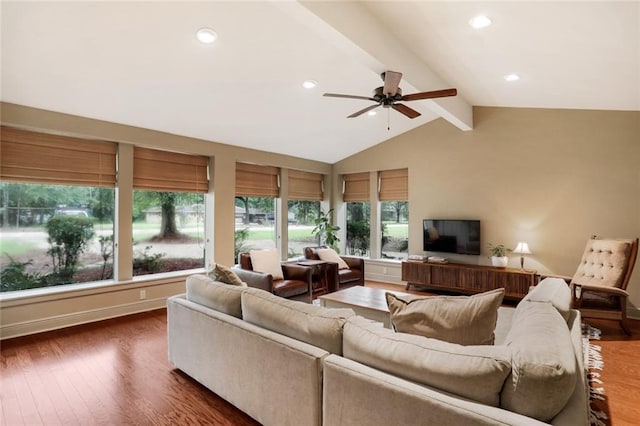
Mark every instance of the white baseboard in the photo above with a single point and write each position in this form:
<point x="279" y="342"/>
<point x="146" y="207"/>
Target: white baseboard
<point x="384" y="278"/>
<point x="77" y="318"/>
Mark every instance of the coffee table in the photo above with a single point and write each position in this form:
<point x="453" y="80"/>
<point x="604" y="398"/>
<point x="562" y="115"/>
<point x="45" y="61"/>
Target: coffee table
<point x="368" y="302"/>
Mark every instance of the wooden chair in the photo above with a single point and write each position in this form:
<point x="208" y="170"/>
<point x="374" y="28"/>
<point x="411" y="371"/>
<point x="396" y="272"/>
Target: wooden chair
<point x="599" y="286"/>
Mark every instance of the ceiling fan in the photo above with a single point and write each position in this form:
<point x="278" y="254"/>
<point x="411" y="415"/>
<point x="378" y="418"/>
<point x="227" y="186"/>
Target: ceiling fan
<point x="389" y="94"/>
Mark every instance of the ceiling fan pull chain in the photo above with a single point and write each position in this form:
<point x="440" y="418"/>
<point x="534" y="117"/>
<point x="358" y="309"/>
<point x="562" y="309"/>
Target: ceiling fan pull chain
<point x="388" y="119"/>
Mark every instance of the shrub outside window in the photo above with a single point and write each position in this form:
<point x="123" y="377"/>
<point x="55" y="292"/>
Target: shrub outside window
<point x="358" y="229"/>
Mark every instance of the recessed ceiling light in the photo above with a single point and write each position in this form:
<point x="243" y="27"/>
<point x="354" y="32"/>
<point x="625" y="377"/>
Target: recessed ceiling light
<point x="512" y="77"/>
<point x="309" y="84"/>
<point x="372" y="113"/>
<point x="206" y="35"/>
<point x="480" y="21"/>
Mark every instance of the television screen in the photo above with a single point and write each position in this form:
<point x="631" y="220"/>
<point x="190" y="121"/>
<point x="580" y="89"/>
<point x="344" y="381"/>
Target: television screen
<point x="452" y="236"/>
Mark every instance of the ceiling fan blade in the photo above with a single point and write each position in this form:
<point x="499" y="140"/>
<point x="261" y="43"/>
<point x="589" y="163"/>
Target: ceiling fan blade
<point x="430" y="95"/>
<point x="362" y="111"/>
<point x="409" y="112"/>
<point x="391" y="82"/>
<point x="337" y="95"/>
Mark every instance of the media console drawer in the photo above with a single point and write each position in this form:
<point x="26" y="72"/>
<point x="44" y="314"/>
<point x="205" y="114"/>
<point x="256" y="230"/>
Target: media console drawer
<point x="468" y="279"/>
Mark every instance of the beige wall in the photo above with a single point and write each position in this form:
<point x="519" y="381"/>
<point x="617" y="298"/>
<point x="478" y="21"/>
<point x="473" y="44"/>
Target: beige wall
<point x="22" y="314"/>
<point x="548" y="177"/>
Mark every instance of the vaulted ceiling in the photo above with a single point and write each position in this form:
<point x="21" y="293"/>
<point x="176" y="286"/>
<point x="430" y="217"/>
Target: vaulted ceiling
<point x="139" y="63"/>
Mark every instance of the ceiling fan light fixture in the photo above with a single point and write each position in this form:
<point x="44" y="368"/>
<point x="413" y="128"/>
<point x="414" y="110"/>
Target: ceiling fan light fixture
<point x="512" y="77"/>
<point x="480" y="21"/>
<point x="309" y="84"/>
<point x="372" y="113"/>
<point x="206" y="35"/>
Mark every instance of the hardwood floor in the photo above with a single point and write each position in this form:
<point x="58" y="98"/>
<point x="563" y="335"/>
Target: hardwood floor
<point x="116" y="372"/>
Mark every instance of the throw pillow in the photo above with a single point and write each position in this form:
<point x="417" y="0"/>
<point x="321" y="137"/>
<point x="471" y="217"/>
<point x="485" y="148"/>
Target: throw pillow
<point x="474" y="372"/>
<point x="268" y="262"/>
<point x="218" y="296"/>
<point x="330" y="255"/>
<point x="465" y="320"/>
<point x="544" y="368"/>
<point x="225" y="275"/>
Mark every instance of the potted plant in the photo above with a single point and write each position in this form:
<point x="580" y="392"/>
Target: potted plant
<point x="499" y="255"/>
<point x="325" y="232"/>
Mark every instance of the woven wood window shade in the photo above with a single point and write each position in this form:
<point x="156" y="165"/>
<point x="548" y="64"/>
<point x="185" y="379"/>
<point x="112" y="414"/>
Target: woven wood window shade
<point x="356" y="187"/>
<point x="305" y="186"/>
<point x="27" y="156"/>
<point x="393" y="185"/>
<point x="169" y="171"/>
<point x="257" y="181"/>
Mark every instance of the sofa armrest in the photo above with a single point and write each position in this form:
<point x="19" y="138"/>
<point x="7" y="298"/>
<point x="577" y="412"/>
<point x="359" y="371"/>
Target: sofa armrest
<point x="255" y="279"/>
<point x="354" y="262"/>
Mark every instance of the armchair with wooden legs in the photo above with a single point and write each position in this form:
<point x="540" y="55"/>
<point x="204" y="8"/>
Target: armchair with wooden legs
<point x="599" y="286"/>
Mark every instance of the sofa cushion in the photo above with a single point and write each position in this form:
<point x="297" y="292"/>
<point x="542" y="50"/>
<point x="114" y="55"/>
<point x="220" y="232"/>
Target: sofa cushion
<point x="465" y="320"/>
<point x="226" y="275"/>
<point x="330" y="255"/>
<point x="554" y="290"/>
<point x="475" y="372"/>
<point x="221" y="297"/>
<point x="316" y="325"/>
<point x="544" y="371"/>
<point x="268" y="262"/>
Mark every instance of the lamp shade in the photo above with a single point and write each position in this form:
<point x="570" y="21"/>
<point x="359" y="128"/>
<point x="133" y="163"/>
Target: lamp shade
<point x="522" y="248"/>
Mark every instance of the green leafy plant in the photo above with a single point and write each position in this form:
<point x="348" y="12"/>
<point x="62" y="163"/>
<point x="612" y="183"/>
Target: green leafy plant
<point x="106" y="250"/>
<point x="240" y="236"/>
<point x="146" y="262"/>
<point x="14" y="276"/>
<point x="498" y="250"/>
<point x="68" y="238"/>
<point x="325" y="232"/>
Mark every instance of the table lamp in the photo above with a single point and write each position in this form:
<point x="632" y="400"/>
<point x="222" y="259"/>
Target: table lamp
<point x="522" y="248"/>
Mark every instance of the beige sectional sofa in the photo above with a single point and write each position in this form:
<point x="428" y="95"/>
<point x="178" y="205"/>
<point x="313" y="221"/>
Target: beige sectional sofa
<point x="288" y="363"/>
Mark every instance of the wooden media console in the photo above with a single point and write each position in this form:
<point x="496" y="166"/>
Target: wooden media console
<point x="468" y="279"/>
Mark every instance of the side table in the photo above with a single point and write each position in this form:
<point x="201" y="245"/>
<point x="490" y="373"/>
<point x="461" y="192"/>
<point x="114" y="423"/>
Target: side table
<point x="318" y="275"/>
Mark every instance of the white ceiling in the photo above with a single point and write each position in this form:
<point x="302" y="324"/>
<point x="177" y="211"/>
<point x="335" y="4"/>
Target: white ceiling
<point x="138" y="63"/>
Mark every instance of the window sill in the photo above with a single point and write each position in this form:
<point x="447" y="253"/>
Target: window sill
<point x="69" y="291"/>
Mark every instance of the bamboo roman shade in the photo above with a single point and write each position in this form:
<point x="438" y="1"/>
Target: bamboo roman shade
<point x="356" y="187"/>
<point x="169" y="171"/>
<point x="51" y="159"/>
<point x="305" y="186"/>
<point x="257" y="181"/>
<point x="393" y="185"/>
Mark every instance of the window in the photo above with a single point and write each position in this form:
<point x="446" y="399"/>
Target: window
<point x="306" y="191"/>
<point x="395" y="229"/>
<point x="257" y="188"/>
<point x="302" y="215"/>
<point x="356" y="195"/>
<point x="168" y="231"/>
<point x="255" y="224"/>
<point x="394" y="213"/>
<point x="57" y="210"/>
<point x="168" y="211"/>
<point x="55" y="234"/>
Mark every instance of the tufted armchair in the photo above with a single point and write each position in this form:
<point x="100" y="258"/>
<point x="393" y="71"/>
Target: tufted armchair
<point x="297" y="283"/>
<point x="599" y="286"/>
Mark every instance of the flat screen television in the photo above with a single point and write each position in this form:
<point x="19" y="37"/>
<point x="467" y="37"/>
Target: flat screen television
<point x="451" y="236"/>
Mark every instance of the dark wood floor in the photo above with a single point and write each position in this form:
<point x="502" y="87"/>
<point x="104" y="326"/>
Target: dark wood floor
<point x="116" y="372"/>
